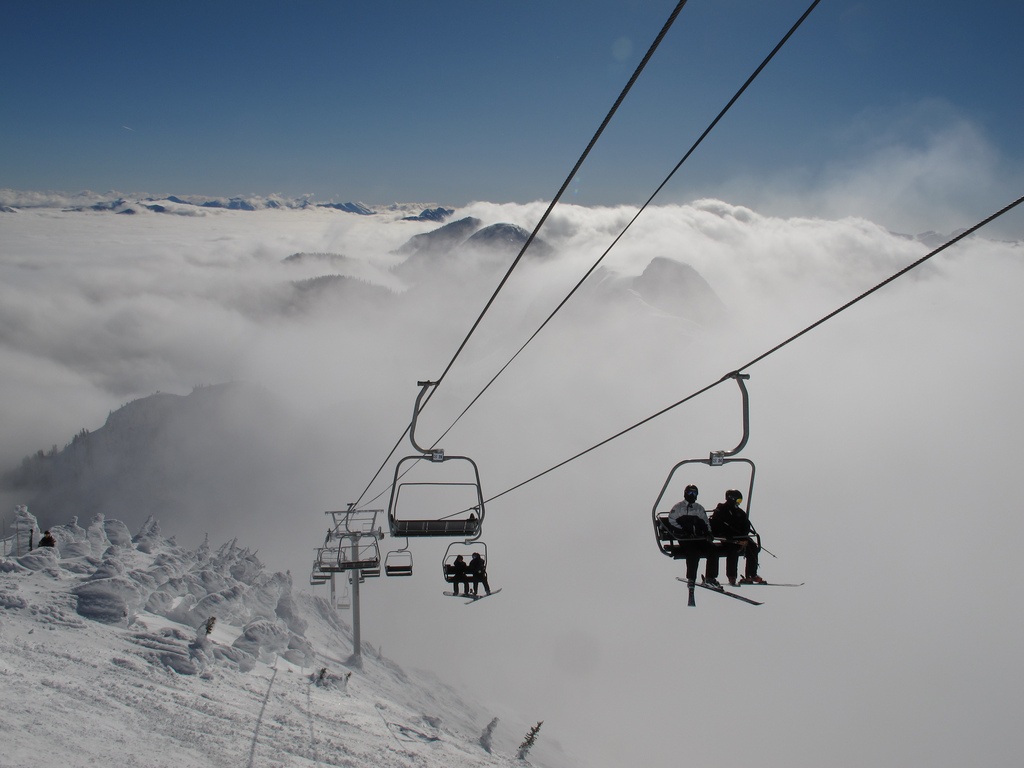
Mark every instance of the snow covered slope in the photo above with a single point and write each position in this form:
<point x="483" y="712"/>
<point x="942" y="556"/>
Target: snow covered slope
<point x="106" y="658"/>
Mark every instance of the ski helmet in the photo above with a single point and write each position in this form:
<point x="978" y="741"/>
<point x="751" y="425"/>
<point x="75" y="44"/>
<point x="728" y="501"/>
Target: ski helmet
<point x="690" y="492"/>
<point x="734" y="496"/>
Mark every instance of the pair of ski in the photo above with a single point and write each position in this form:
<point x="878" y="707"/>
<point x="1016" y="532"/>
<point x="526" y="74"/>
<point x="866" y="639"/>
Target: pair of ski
<point x="722" y="591"/>
<point x="474" y="598"/>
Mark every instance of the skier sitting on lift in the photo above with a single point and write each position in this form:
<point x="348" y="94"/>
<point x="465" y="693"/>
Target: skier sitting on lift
<point x="459" y="571"/>
<point x="730" y="522"/>
<point x="690" y="521"/>
<point x="478" y="571"/>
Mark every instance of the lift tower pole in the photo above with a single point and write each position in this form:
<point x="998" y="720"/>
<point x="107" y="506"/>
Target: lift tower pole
<point x="351" y="547"/>
<point x="357" y="640"/>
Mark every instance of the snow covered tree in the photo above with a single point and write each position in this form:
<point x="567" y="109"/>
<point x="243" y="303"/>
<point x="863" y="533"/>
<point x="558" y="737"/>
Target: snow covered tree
<point x="487" y="736"/>
<point x="528" y="742"/>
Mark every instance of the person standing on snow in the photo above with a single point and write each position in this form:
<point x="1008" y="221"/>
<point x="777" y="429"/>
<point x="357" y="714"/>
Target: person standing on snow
<point x="690" y="523"/>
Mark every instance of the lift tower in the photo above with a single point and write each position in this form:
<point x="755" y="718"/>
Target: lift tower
<point x="351" y="546"/>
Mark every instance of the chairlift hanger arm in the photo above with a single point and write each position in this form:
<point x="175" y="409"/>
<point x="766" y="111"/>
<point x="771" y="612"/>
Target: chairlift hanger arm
<point x="435" y="455"/>
<point x="401" y="525"/>
<point x="739" y="379"/>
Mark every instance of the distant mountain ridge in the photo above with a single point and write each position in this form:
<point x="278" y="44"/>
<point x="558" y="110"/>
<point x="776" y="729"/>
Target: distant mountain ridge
<point x="441" y="239"/>
<point x="431" y="254"/>
<point x="112" y="202"/>
<point x="168" y="456"/>
<point x="432" y="214"/>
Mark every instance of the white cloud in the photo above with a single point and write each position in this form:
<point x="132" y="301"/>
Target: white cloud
<point x="884" y="442"/>
<point x="924" y="167"/>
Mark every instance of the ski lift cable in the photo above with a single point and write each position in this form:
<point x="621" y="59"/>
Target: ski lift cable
<point x="558" y="196"/>
<point x="661" y="186"/>
<point x="529" y="241"/>
<point x="771" y="351"/>
<point x="597" y="263"/>
<point x="888" y="280"/>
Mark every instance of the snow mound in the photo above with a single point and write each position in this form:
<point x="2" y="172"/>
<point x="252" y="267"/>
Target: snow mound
<point x="132" y="650"/>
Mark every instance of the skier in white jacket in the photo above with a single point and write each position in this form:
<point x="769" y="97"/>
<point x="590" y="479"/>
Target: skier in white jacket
<point x="691" y="522"/>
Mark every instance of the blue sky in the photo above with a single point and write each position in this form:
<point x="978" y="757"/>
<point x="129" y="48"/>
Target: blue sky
<point x="908" y="113"/>
<point x="485" y="100"/>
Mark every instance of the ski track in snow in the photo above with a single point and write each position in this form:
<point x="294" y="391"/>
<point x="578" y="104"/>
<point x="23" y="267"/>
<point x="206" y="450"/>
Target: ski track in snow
<point x="259" y="720"/>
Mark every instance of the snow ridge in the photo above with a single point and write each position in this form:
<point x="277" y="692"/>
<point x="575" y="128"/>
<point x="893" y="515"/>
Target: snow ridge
<point x="135" y="651"/>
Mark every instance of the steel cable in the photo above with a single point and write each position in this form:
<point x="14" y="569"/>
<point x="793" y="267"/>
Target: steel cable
<point x="771" y="351"/>
<point x="565" y="185"/>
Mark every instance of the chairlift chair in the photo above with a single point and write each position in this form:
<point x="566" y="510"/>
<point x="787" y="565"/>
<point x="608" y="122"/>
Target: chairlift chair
<point x="466" y="549"/>
<point x="368" y="573"/>
<point x="399" y="562"/>
<point x="466" y="522"/>
<point x="352" y="542"/>
<point x="360" y="555"/>
<point x="344" y="600"/>
<point x="668" y="540"/>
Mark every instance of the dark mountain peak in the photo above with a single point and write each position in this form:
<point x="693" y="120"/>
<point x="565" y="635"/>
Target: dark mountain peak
<point x="176" y="454"/>
<point x="462" y="243"/>
<point x="500" y="234"/>
<point x="359" y="208"/>
<point x="234" y="204"/>
<point x="507" y="237"/>
<point x="108" y="205"/>
<point x="677" y="288"/>
<point x="442" y="239"/>
<point x="432" y="214"/>
<point x="146" y="411"/>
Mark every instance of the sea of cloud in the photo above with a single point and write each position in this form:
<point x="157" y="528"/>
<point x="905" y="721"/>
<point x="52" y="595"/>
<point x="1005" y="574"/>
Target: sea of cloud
<point x="884" y="441"/>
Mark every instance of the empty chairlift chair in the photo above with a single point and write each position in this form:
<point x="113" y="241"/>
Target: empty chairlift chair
<point x="316" y="578"/>
<point x="399" y="562"/>
<point x="448" y="488"/>
<point x="351" y="545"/>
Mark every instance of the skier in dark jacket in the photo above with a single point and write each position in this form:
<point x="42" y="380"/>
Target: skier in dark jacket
<point x="731" y="523"/>
<point x="478" y="572"/>
<point x="47" y="540"/>
<point x="459" y="570"/>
